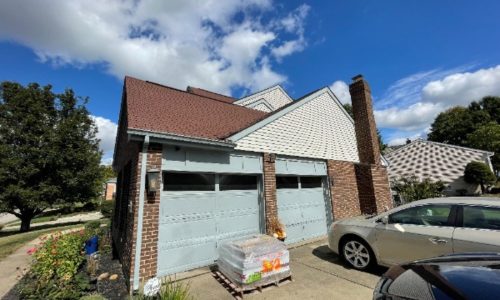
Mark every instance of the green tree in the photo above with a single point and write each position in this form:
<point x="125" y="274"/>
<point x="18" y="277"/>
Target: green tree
<point x="49" y="152"/>
<point x="453" y="125"/>
<point x="108" y="172"/>
<point x="479" y="173"/>
<point x="491" y="105"/>
<point x="412" y="189"/>
<point x="348" y="108"/>
<point x="487" y="137"/>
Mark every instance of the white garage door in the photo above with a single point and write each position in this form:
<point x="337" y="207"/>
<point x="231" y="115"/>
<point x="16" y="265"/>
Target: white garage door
<point x="198" y="211"/>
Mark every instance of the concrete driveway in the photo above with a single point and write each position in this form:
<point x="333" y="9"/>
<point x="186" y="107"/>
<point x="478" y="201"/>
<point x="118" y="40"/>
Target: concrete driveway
<point x="317" y="274"/>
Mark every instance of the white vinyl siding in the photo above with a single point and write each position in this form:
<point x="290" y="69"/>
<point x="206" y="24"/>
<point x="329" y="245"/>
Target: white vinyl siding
<point x="318" y="129"/>
<point x="275" y="96"/>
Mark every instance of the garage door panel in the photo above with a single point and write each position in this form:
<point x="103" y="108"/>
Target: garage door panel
<point x="289" y="197"/>
<point x="193" y="223"/>
<point x="233" y="200"/>
<point x="181" y="256"/>
<point x="188" y="230"/>
<point x="302" y="210"/>
<point x="177" y="204"/>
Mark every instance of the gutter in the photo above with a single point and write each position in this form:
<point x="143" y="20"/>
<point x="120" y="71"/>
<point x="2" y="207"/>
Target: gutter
<point x="180" y="140"/>
<point x="140" y="214"/>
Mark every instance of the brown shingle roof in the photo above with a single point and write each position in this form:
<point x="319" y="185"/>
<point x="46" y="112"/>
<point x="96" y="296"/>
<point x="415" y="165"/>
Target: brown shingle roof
<point x="158" y="108"/>
<point x="208" y="94"/>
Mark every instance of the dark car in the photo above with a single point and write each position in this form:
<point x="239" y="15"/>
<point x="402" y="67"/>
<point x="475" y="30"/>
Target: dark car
<point x="457" y="276"/>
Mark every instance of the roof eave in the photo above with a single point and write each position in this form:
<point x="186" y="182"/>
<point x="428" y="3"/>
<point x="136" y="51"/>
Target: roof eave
<point x="179" y="140"/>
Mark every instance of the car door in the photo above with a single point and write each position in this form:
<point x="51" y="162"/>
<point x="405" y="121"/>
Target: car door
<point x="478" y="230"/>
<point x="415" y="233"/>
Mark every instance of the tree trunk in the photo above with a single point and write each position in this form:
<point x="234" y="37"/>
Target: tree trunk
<point x="25" y="224"/>
<point x="482" y="188"/>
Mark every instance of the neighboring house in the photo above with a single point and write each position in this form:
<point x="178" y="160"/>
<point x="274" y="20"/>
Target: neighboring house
<point x="110" y="189"/>
<point x="196" y="168"/>
<point x="437" y="161"/>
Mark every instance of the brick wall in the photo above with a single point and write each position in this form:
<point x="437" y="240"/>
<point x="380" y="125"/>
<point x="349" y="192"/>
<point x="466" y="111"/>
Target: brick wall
<point x="149" y="250"/>
<point x="358" y="189"/>
<point x="110" y="190"/>
<point x="270" y="202"/>
<point x="344" y="189"/>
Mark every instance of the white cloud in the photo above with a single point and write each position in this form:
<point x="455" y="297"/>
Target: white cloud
<point x="106" y="134"/>
<point x="408" y="90"/>
<point x="462" y="88"/>
<point x="341" y="90"/>
<point x="415" y="116"/>
<point x="293" y="23"/>
<point x="178" y="43"/>
<point x="412" y="103"/>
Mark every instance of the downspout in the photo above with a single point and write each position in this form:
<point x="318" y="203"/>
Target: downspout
<point x="138" y="242"/>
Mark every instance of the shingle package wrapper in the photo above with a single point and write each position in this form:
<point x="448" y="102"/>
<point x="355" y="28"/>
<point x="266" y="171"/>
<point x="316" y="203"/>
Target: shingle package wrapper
<point x="254" y="261"/>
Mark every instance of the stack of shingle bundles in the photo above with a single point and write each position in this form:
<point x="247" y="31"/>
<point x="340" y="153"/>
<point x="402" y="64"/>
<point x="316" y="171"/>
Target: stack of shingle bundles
<point x="254" y="261"/>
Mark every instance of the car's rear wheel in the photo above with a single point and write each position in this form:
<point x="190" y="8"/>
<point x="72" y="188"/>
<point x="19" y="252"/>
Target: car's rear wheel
<point x="357" y="254"/>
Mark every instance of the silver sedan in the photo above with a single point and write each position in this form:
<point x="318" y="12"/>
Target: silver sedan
<point x="418" y="230"/>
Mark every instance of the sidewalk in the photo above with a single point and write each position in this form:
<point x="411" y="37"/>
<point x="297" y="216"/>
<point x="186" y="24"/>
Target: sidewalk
<point x="83" y="217"/>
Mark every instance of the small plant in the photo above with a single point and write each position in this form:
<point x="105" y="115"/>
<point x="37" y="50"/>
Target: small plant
<point x="107" y="208"/>
<point x="479" y="173"/>
<point x="412" y="189"/>
<point x="169" y="290"/>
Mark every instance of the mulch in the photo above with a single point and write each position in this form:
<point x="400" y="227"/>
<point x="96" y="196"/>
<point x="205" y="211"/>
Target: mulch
<point x="110" y="289"/>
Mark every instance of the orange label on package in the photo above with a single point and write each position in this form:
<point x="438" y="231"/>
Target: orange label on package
<point x="269" y="266"/>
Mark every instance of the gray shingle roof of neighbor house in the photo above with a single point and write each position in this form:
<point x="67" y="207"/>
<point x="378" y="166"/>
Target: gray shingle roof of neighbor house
<point x="436" y="161"/>
<point x="156" y="108"/>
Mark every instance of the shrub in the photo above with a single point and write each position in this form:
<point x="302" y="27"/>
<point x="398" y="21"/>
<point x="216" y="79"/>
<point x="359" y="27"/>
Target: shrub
<point x="412" y="189"/>
<point x="479" y="173"/>
<point x="92" y="226"/>
<point x="89" y="206"/>
<point x="107" y="208"/>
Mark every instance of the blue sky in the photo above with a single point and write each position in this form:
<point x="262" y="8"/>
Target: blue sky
<point x="420" y="57"/>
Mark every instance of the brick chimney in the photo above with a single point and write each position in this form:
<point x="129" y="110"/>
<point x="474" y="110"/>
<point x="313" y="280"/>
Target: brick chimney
<point x="364" y="121"/>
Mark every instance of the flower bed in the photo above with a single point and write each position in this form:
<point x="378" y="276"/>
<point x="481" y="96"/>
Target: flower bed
<point x="57" y="270"/>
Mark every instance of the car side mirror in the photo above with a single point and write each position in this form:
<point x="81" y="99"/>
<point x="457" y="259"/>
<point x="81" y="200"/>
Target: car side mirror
<point x="385" y="220"/>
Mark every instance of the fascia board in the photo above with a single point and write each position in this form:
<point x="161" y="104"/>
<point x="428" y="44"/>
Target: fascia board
<point x="167" y="138"/>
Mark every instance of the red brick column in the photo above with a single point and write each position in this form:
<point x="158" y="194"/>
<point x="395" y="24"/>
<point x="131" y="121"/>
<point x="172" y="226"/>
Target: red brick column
<point x="270" y="200"/>
<point x="381" y="187"/>
<point x="343" y="189"/>
<point x="149" y="250"/>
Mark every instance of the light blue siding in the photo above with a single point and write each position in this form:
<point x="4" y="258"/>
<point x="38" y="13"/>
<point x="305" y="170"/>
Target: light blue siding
<point x="292" y="166"/>
<point x="198" y="160"/>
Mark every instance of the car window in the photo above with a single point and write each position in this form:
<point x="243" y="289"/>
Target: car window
<point x="482" y="217"/>
<point x="431" y="215"/>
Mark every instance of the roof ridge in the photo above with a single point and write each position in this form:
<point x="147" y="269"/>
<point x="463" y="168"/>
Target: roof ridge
<point x="193" y="87"/>
<point x="420" y="140"/>
<point x="186" y="92"/>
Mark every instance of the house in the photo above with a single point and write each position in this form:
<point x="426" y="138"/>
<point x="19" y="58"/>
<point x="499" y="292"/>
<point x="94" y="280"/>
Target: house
<point x="437" y="161"/>
<point x="110" y="189"/>
<point x="196" y="168"/>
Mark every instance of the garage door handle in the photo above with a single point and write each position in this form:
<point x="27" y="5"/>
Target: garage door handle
<point x="436" y="241"/>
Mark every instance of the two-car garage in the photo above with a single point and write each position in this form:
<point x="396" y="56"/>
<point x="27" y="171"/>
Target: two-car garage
<point x="210" y="197"/>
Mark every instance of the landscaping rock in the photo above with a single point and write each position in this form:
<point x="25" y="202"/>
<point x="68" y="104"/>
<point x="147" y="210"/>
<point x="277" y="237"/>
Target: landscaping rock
<point x="113" y="277"/>
<point x="103" y="276"/>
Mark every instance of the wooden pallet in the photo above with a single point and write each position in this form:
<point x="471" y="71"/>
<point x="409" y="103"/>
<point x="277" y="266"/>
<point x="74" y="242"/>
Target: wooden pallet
<point x="239" y="291"/>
